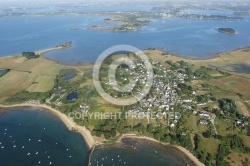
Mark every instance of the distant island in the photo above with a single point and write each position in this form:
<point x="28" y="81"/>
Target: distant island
<point x="241" y="13"/>
<point x="226" y="30"/>
<point x="124" y="23"/>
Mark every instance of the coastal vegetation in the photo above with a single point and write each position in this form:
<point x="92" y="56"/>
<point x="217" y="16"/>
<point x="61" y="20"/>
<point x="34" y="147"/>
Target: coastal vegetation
<point x="212" y="125"/>
<point x="30" y="55"/>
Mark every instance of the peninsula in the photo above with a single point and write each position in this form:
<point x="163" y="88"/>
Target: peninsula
<point x="210" y="94"/>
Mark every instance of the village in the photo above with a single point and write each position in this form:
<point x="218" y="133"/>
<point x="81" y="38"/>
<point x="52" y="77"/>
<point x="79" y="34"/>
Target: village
<point x="171" y="96"/>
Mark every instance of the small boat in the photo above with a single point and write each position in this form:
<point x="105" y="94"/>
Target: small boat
<point x="28" y="154"/>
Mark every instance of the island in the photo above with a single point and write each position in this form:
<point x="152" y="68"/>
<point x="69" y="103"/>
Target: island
<point x="241" y="13"/>
<point x="226" y="30"/>
<point x="125" y="22"/>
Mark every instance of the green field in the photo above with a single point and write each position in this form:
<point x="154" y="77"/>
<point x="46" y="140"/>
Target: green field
<point x="34" y="75"/>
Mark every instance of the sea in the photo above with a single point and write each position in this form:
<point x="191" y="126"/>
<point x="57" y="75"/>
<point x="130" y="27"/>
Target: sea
<point x="137" y="152"/>
<point x="187" y="37"/>
<point x="30" y="137"/>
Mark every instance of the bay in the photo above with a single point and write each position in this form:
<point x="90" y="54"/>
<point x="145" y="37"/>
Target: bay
<point x="31" y="136"/>
<point x="187" y="37"/>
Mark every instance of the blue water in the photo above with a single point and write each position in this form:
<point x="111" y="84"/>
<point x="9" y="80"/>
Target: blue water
<point x="196" y="38"/>
<point x="139" y="153"/>
<point x="72" y="96"/>
<point x="44" y="136"/>
<point x="2" y="72"/>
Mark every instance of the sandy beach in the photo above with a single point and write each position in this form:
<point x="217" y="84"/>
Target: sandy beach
<point x="183" y="150"/>
<point x="86" y="134"/>
<point x="71" y="125"/>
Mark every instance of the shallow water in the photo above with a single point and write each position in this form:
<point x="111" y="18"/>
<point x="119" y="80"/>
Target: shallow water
<point x="2" y="71"/>
<point x="70" y="74"/>
<point x="135" y="152"/>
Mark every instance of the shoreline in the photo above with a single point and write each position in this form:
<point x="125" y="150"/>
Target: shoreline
<point x="188" y="57"/>
<point x="69" y="123"/>
<point x="55" y="48"/>
<point x="89" y="139"/>
<point x="67" y="45"/>
<point x="213" y="56"/>
<point x="42" y="53"/>
<point x="183" y="150"/>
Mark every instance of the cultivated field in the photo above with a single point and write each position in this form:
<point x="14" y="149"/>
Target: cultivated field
<point x="34" y="75"/>
<point x="234" y="84"/>
<point x="243" y="108"/>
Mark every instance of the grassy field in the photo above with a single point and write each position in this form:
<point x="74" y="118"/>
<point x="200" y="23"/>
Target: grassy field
<point x="236" y="159"/>
<point x="35" y="75"/>
<point x="210" y="144"/>
<point x="224" y="127"/>
<point x="235" y="62"/>
<point x="14" y="82"/>
<point x="243" y="108"/>
<point x="43" y="83"/>
<point x="233" y="84"/>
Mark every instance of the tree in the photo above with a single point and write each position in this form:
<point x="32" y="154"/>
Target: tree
<point x="113" y="132"/>
<point x="197" y="140"/>
<point x="150" y="128"/>
<point x="107" y="134"/>
<point x="248" y="130"/>
<point x="30" y="55"/>
<point x="223" y="151"/>
<point x="228" y="106"/>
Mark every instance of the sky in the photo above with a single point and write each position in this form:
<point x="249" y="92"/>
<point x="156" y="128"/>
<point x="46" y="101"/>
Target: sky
<point x="37" y="2"/>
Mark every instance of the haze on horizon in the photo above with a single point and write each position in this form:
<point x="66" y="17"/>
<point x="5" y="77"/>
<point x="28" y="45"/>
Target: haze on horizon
<point x="37" y="2"/>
